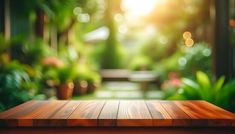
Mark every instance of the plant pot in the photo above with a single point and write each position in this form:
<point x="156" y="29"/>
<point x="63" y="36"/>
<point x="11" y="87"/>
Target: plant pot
<point x="64" y="91"/>
<point x="92" y="87"/>
<point x="80" y="87"/>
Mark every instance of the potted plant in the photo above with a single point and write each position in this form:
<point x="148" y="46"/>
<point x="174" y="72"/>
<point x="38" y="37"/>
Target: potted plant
<point x="93" y="80"/>
<point x="80" y="84"/>
<point x="64" y="82"/>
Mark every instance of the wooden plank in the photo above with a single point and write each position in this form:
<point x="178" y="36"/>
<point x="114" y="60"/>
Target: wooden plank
<point x="159" y="114"/>
<point x="86" y="114"/>
<point x="27" y="120"/>
<point x="221" y="112"/>
<point x="220" y="117"/>
<point x="108" y="115"/>
<point x="179" y="117"/>
<point x="16" y="109"/>
<point x="199" y="116"/>
<point x="17" y="119"/>
<point x="133" y="113"/>
<point x="117" y="113"/>
<point x="60" y="117"/>
<point x="43" y="119"/>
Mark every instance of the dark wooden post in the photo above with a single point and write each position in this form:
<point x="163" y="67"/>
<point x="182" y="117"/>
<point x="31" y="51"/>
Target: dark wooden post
<point x="222" y="49"/>
<point x="2" y="3"/>
<point x="39" y="25"/>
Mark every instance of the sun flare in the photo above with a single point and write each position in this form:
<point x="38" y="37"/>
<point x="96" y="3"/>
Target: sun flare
<point x="139" y="7"/>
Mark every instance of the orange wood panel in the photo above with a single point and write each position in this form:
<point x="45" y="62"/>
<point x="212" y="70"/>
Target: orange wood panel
<point x="120" y="113"/>
<point x="159" y="114"/>
<point x="16" y="109"/>
<point x="207" y="114"/>
<point x="43" y="119"/>
<point x="23" y="117"/>
<point x="179" y="117"/>
<point x="108" y="115"/>
<point x="134" y="113"/>
<point x="86" y="114"/>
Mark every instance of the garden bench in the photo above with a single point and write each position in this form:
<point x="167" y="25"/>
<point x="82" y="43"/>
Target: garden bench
<point x="117" y="116"/>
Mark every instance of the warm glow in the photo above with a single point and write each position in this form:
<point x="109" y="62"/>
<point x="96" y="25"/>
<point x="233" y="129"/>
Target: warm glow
<point x="140" y="7"/>
<point x="232" y="22"/>
<point x="187" y="35"/>
<point x="189" y="42"/>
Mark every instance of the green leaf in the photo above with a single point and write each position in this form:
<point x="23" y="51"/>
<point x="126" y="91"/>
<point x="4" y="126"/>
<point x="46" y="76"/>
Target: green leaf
<point x="225" y="97"/>
<point x="203" y="80"/>
<point x="190" y="83"/>
<point x="219" y="84"/>
<point x="177" y="96"/>
<point x="191" y="90"/>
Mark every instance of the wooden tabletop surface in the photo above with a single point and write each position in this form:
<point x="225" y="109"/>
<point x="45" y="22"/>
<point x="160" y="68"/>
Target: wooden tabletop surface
<point x="116" y="113"/>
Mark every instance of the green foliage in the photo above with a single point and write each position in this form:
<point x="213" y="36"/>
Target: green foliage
<point x="15" y="85"/>
<point x="141" y="63"/>
<point x="186" y="61"/>
<point x="68" y="54"/>
<point x="197" y="58"/>
<point x="3" y="44"/>
<point x="225" y="98"/>
<point x="35" y="51"/>
<point x="83" y="72"/>
<point x="30" y="52"/>
<point x="203" y="88"/>
<point x="64" y="74"/>
<point x="155" y="50"/>
<point x="112" y="56"/>
<point x="59" y="12"/>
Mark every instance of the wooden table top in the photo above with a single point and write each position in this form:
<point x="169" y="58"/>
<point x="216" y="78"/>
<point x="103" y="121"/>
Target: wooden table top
<point x="116" y="113"/>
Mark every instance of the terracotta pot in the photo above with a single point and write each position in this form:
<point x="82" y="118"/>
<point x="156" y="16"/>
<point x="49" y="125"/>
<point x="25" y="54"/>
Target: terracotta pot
<point x="64" y="91"/>
<point x="80" y="87"/>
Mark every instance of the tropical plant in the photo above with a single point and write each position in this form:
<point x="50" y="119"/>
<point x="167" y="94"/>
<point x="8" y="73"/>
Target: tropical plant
<point x="64" y="82"/>
<point x="64" y="75"/>
<point x="219" y="92"/>
<point x="86" y="80"/>
<point x="15" y="85"/>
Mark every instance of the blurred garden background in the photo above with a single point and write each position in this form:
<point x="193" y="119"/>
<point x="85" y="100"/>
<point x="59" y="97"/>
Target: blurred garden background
<point x="117" y="49"/>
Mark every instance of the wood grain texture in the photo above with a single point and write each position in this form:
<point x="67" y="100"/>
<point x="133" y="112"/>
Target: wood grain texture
<point x="4" y="115"/>
<point x="43" y="119"/>
<point x="216" y="116"/>
<point x="108" y="115"/>
<point x="86" y="114"/>
<point x="159" y="115"/>
<point x="180" y="118"/>
<point x="117" y="113"/>
<point x="134" y="113"/>
<point x="24" y="117"/>
<point x="16" y="109"/>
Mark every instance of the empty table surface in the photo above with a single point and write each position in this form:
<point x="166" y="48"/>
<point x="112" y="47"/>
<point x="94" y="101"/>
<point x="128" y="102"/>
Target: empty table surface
<point x="116" y="113"/>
